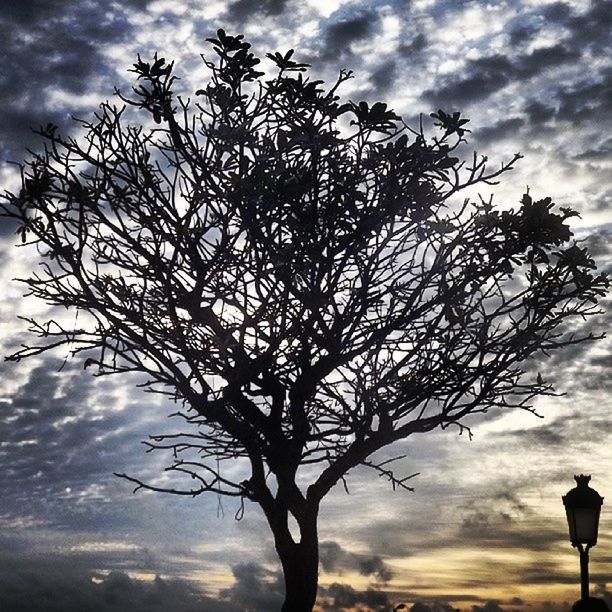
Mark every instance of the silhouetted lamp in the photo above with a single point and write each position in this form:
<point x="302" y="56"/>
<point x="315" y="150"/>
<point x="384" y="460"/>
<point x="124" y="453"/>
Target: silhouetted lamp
<point x="582" y="506"/>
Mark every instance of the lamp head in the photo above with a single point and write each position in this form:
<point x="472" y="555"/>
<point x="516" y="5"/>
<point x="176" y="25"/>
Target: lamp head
<point x="582" y="507"/>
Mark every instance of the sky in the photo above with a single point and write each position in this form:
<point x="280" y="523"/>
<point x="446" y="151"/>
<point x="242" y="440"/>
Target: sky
<point x="484" y="529"/>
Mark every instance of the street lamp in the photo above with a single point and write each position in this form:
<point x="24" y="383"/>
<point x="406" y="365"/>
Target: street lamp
<point x="582" y="506"/>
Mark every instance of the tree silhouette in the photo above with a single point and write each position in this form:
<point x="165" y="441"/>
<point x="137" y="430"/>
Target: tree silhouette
<point x="297" y="274"/>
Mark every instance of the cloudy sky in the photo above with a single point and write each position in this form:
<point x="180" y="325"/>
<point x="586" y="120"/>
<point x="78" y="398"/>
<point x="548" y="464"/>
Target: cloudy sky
<point x="485" y="527"/>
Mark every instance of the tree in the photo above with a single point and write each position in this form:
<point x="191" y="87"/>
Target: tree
<point x="297" y="274"/>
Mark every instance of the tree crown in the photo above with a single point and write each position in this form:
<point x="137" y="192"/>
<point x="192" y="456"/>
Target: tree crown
<point x="295" y="271"/>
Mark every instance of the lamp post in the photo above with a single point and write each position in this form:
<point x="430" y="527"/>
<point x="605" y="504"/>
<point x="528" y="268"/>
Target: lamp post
<point x="582" y="507"/>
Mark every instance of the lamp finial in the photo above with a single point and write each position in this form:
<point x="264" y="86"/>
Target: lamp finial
<point x="582" y="480"/>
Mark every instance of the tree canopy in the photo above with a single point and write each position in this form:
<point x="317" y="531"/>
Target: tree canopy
<point x="298" y="273"/>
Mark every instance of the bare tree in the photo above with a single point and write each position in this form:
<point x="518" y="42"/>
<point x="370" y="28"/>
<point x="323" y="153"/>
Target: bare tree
<point x="297" y="274"/>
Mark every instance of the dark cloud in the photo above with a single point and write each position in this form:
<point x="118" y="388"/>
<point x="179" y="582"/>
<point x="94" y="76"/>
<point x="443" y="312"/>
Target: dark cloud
<point x="538" y="112"/>
<point x="492" y="133"/>
<point x="487" y="75"/>
<point x="46" y="416"/>
<point x="591" y="29"/>
<point x="343" y="596"/>
<point x="500" y="521"/>
<point x="415" y="47"/>
<point x="31" y="588"/>
<point x="243" y="10"/>
<point x="51" y="46"/>
<point x="339" y="35"/>
<point x="60" y="452"/>
<point x="516" y="601"/>
<point x="27" y="12"/>
<point x="554" y="368"/>
<point x="544" y="572"/>
<point x="375" y="566"/>
<point x="382" y="78"/>
<point x="331" y="555"/>
<point x="521" y="33"/>
<point x="490" y="606"/>
<point x="599" y="242"/>
<point x="603" y="592"/>
<point x="583" y="101"/>
<point x="529" y="23"/>
<point x="600" y="152"/>
<point x="475" y="522"/>
<point x="565" y="369"/>
<point x="550" y="606"/>
<point x="542" y="59"/>
<point x="601" y="361"/>
<point x="557" y="12"/>
<point x="587" y="100"/>
<point x="334" y="558"/>
<point x="602" y="199"/>
<point x="512" y="499"/>
<point x="575" y="428"/>
<point x="482" y="78"/>
<point x="432" y="606"/>
<point x="75" y="581"/>
<point x="545" y="435"/>
<point x="255" y="588"/>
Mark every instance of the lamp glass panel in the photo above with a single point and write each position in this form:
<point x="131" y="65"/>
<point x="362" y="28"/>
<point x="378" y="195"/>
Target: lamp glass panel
<point x="571" y="524"/>
<point x="585" y="525"/>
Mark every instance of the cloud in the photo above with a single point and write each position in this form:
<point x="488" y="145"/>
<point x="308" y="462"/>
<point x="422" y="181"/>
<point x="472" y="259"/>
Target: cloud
<point x="255" y="587"/>
<point x="414" y="49"/>
<point x="599" y="243"/>
<point x="542" y="59"/>
<point x="484" y="76"/>
<point x="374" y="566"/>
<point x="529" y="23"/>
<point x="28" y="11"/>
<point x="588" y="100"/>
<point x="591" y="29"/>
<point x="481" y="78"/>
<point x="602" y="591"/>
<point x="339" y="35"/>
<point x="63" y="435"/>
<point x="50" y="47"/>
<point x="30" y="589"/>
<point x="243" y="10"/>
<point x="382" y="78"/>
<point x="331" y="556"/>
<point x="344" y="596"/>
<point x="501" y="129"/>
<point x="602" y="151"/>
<point x="550" y="606"/>
<point x="545" y="435"/>
<point x="490" y="606"/>
<point x="431" y="606"/>
<point x="334" y="558"/>
<point x="51" y="438"/>
<point x="538" y="113"/>
<point x="516" y="601"/>
<point x="59" y="582"/>
<point x="544" y="572"/>
<point x="503" y="520"/>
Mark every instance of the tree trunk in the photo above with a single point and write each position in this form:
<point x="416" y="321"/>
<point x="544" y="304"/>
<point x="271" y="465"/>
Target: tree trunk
<point x="300" y="562"/>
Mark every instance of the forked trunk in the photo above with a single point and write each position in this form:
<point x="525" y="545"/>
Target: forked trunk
<point x="300" y="562"/>
<point x="300" y="568"/>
